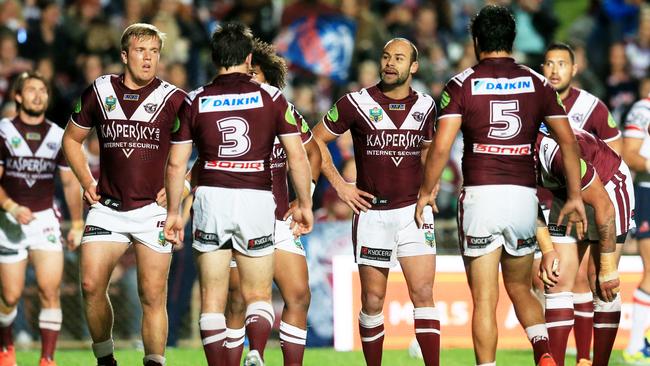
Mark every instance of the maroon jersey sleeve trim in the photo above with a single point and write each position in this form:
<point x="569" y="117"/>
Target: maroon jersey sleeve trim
<point x="449" y="115"/>
<point x="332" y="132"/>
<point x="556" y="116"/>
<point x="311" y="137"/>
<point x="289" y="134"/>
<point x="591" y="181"/>
<point x="358" y="108"/>
<point x="78" y="125"/>
<point x="614" y="138"/>
<point x="99" y="100"/>
<point x="181" y="142"/>
<point x="63" y="167"/>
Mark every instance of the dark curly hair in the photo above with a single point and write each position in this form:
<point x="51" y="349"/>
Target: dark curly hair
<point x="271" y="64"/>
<point x="493" y="28"/>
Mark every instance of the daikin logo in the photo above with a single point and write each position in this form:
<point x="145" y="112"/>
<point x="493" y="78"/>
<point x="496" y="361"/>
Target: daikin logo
<point x="229" y="102"/>
<point x="502" y="86"/>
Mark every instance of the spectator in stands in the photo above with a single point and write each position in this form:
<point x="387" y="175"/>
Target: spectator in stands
<point x="621" y="86"/>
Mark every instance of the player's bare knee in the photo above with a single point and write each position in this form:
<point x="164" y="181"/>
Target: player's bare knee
<point x="92" y="288"/>
<point x="49" y="296"/>
<point x="299" y="299"/>
<point x="421" y="296"/>
<point x="11" y="298"/>
<point x="372" y="303"/>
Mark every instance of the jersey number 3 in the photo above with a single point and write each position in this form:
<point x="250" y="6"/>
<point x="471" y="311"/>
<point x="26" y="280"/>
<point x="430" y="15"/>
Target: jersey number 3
<point x="234" y="137"/>
<point x="504" y="121"/>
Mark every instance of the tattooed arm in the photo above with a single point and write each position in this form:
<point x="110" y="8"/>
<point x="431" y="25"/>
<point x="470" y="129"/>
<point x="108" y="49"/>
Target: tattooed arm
<point x="604" y="255"/>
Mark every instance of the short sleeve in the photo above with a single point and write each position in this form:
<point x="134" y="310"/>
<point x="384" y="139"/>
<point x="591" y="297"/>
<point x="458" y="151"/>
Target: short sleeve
<point x="451" y="100"/>
<point x="604" y="126"/>
<point x="553" y="107"/>
<point x="85" y="107"/>
<point x="430" y="124"/>
<point x="636" y="122"/>
<point x="182" y="129"/>
<point x="285" y="122"/>
<point x="61" y="161"/>
<point x="340" y="117"/>
<point x="305" y="131"/>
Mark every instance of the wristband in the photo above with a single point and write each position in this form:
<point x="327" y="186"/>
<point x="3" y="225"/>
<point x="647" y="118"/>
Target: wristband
<point x="313" y="187"/>
<point x="9" y="205"/>
<point x="544" y="239"/>
<point x="608" y="267"/>
<point x="187" y="189"/>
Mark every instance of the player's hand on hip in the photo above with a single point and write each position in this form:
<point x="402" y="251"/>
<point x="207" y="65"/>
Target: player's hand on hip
<point x="574" y="209"/>
<point x="174" y="229"/>
<point x="354" y="197"/>
<point x="161" y="198"/>
<point x="90" y="193"/>
<point x="423" y="201"/>
<point x="302" y="221"/>
<point x="293" y="205"/>
<point x="22" y="214"/>
<point x="549" y="269"/>
<point x="433" y="196"/>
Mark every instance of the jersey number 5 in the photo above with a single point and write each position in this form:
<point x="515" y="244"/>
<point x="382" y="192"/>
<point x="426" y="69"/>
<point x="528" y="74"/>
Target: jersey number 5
<point x="234" y="137"/>
<point x="504" y="122"/>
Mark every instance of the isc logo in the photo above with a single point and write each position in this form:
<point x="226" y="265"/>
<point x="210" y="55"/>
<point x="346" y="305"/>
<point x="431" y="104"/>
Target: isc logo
<point x="427" y="226"/>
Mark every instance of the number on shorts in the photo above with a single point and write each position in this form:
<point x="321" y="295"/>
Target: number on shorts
<point x="234" y="135"/>
<point x="503" y="115"/>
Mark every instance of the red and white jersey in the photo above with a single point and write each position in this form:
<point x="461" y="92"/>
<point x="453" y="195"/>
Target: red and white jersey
<point x="388" y="136"/>
<point x="587" y="112"/>
<point x="596" y="158"/>
<point x="134" y="128"/>
<point x="279" y="167"/>
<point x="502" y="105"/>
<point x="234" y="122"/>
<point x="636" y="125"/>
<point x="30" y="155"/>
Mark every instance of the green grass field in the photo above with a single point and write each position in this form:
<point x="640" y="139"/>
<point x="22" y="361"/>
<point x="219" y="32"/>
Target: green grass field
<point x="313" y="357"/>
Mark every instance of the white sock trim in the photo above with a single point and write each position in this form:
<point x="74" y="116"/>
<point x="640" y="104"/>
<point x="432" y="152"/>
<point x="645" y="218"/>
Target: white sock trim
<point x="427" y="330"/>
<point x="103" y="349"/>
<point x="373" y="338"/>
<point x="292" y="330"/>
<point x="370" y="321"/>
<point x="560" y="323"/>
<point x="560" y="300"/>
<point x="212" y="321"/>
<point x="294" y="340"/>
<point x="236" y="333"/>
<point x="607" y="307"/>
<point x="234" y="344"/>
<point x="50" y="319"/>
<point x="156" y="358"/>
<point x="7" y="319"/>
<point x="537" y="330"/>
<point x="262" y="309"/>
<point x="428" y="313"/>
<point x="583" y="314"/>
<point x="583" y="297"/>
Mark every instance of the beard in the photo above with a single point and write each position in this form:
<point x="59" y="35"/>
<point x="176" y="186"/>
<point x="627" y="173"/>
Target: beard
<point x="33" y="112"/>
<point x="401" y="80"/>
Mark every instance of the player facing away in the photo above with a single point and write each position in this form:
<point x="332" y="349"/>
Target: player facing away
<point x="498" y="105"/>
<point x="636" y="153"/>
<point x="30" y="155"/>
<point x="234" y="121"/>
<point x="134" y="114"/>
<point x="392" y="127"/>
<point x="587" y="112"/>
<point x="290" y="265"/>
<point x="607" y="191"/>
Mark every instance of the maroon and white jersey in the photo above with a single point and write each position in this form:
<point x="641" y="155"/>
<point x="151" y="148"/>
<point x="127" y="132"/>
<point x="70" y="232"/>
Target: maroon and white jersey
<point x="502" y="105"/>
<point x="279" y="167"/>
<point x="134" y="129"/>
<point x="234" y="121"/>
<point x="388" y="136"/>
<point x="30" y="155"/>
<point x="595" y="158"/>
<point x="587" y="112"/>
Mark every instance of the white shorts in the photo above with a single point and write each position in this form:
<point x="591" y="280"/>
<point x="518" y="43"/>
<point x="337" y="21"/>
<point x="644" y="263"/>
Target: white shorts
<point x="144" y="224"/>
<point x="491" y="216"/>
<point x="42" y="233"/>
<point x="381" y="236"/>
<point x="284" y="239"/>
<point x="621" y="192"/>
<point x="245" y="216"/>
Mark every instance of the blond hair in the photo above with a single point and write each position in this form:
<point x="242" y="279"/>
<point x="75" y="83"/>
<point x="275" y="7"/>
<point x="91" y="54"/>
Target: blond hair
<point x="138" y="31"/>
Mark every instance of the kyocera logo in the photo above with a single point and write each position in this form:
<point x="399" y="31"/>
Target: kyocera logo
<point x="502" y="86"/>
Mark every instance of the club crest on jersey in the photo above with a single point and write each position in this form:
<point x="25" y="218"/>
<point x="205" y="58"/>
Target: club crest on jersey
<point x="150" y="107"/>
<point x="15" y="142"/>
<point x="376" y="114"/>
<point x="52" y="145"/>
<point x="577" y="117"/>
<point x="131" y="97"/>
<point x="109" y="103"/>
<point x="33" y="136"/>
<point x="418" y="116"/>
<point x="397" y="107"/>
